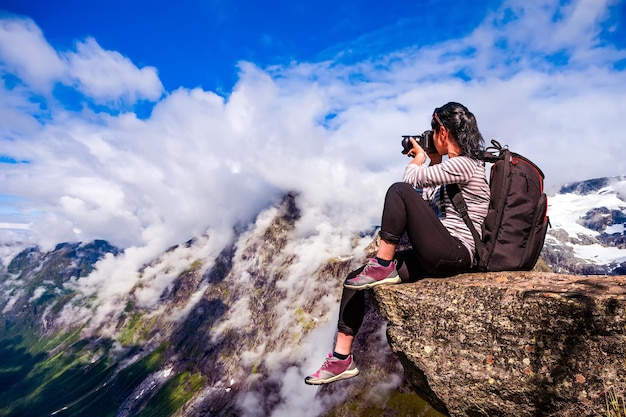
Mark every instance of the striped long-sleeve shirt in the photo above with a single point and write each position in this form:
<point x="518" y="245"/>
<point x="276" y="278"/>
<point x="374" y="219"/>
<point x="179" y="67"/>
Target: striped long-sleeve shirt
<point x="470" y="175"/>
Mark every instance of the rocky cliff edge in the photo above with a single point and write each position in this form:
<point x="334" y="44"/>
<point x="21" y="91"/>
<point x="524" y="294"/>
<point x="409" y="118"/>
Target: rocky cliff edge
<point x="511" y="343"/>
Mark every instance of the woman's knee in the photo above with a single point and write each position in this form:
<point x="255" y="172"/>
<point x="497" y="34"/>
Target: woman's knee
<point x="400" y="188"/>
<point x="402" y="193"/>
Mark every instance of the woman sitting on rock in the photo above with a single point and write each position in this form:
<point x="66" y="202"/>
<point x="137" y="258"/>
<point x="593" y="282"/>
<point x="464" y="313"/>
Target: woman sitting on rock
<point x="442" y="244"/>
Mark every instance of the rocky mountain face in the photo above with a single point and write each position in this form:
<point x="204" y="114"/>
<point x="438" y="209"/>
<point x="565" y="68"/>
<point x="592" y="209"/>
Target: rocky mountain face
<point x="210" y="329"/>
<point x="42" y="276"/>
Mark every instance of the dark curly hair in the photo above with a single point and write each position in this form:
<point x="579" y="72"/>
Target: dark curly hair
<point x="461" y="123"/>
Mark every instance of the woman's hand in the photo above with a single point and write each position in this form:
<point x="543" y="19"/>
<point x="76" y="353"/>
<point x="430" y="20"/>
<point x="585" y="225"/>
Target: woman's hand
<point x="417" y="153"/>
<point x="435" y="158"/>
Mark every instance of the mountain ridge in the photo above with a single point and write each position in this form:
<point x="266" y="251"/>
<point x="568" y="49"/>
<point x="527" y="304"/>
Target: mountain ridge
<point x="591" y="185"/>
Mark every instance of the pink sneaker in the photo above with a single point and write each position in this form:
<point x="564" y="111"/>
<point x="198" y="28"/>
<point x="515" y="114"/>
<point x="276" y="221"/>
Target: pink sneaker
<point x="333" y="370"/>
<point x="373" y="274"/>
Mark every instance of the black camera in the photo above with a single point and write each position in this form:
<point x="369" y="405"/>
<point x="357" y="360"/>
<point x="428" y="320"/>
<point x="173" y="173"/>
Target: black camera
<point x="425" y="140"/>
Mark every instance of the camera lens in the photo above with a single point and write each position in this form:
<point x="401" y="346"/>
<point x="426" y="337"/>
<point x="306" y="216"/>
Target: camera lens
<point x="406" y="145"/>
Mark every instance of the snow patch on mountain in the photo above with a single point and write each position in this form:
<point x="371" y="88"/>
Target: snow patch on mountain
<point x="589" y="218"/>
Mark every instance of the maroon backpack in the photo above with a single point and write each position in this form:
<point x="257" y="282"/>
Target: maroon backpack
<point x="516" y="224"/>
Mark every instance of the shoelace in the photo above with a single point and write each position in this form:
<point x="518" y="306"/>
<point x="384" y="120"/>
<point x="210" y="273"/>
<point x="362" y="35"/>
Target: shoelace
<point x="369" y="265"/>
<point x="327" y="362"/>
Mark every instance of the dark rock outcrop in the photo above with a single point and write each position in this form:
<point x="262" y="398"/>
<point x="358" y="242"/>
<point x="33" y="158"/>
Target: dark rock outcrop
<point x="511" y="343"/>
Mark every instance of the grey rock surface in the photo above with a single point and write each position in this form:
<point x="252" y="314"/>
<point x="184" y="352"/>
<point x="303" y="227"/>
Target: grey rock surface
<point x="511" y="343"/>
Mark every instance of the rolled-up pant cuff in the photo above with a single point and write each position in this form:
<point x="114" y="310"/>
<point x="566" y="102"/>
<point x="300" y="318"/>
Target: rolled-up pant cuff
<point x="390" y="237"/>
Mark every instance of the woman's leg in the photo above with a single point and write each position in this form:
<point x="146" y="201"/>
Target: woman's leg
<point x="351" y="314"/>
<point x="435" y="252"/>
<point x="351" y="311"/>
<point x="343" y="344"/>
<point x="340" y="365"/>
<point x="404" y="211"/>
<point x="386" y="250"/>
<point x="439" y="253"/>
<point x="404" y="207"/>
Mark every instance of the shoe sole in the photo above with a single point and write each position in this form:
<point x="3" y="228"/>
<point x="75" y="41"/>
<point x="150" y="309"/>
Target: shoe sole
<point x="344" y="375"/>
<point x="392" y="280"/>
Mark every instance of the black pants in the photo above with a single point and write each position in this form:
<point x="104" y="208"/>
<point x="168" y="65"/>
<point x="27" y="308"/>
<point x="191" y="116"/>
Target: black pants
<point x="435" y="253"/>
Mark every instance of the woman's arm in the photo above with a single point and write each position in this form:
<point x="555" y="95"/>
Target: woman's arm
<point x="452" y="170"/>
<point x="419" y="154"/>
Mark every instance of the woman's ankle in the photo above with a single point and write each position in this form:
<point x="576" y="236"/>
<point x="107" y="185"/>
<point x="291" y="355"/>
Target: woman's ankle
<point x="341" y="356"/>
<point x="383" y="262"/>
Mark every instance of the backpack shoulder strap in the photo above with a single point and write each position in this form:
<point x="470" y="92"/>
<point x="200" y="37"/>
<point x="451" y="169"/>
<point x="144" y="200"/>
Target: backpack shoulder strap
<point x="459" y="204"/>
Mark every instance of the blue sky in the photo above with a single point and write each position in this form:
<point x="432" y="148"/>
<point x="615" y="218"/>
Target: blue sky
<point x="147" y="123"/>
<point x="199" y="43"/>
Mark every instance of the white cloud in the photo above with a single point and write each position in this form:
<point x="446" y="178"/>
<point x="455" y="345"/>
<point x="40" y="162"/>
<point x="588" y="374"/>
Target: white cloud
<point x="25" y="52"/>
<point x="108" y="76"/>
<point x="328" y="130"/>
